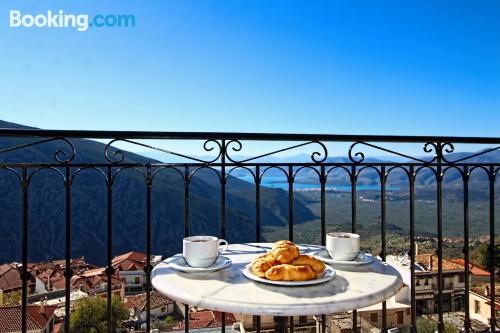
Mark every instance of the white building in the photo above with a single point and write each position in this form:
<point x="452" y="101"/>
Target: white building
<point x="426" y="282"/>
<point x="161" y="306"/>
<point x="130" y="267"/>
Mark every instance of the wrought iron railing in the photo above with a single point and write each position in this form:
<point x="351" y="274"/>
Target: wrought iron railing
<point x="223" y="147"/>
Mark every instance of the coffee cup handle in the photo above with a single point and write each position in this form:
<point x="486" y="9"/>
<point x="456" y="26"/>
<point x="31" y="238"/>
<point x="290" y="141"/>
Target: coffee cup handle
<point x="224" y="244"/>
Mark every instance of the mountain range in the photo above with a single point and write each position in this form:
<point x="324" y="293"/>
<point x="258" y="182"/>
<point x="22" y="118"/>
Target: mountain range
<point x="46" y="202"/>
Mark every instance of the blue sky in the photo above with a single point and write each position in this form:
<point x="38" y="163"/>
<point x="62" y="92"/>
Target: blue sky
<point x="350" y="67"/>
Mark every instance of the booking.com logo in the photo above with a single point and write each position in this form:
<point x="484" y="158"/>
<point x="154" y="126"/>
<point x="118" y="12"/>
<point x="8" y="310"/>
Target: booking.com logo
<point x="59" y="19"/>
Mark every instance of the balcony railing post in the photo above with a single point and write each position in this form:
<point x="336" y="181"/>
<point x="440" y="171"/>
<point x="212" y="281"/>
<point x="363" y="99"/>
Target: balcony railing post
<point x="109" y="269"/>
<point x="256" y="319"/>
<point x="491" y="264"/>
<point x="223" y="211"/>
<point x="383" y="177"/>
<point x="439" y="252"/>
<point x="68" y="272"/>
<point x="223" y="190"/>
<point x="465" y="177"/>
<point x="413" y="251"/>
<point x="257" y="204"/>
<point x="323" y="226"/>
<point x="353" y="230"/>
<point x="24" y="232"/>
<point x="149" y="184"/>
<point x="323" y="205"/>
<point x="187" y="180"/>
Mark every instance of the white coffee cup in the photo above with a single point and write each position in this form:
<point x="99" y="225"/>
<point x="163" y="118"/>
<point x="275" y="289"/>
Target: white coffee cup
<point x="342" y="245"/>
<point x="202" y="251"/>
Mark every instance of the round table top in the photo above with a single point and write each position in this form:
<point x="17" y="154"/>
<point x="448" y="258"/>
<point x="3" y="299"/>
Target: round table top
<point x="228" y="290"/>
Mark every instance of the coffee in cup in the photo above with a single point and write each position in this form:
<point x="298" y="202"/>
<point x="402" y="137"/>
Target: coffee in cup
<point x="202" y="251"/>
<point x="342" y="245"/>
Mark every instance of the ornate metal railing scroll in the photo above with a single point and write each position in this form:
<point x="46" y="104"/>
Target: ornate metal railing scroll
<point x="358" y="157"/>
<point x="117" y="156"/>
<point x="60" y="155"/>
<point x="236" y="146"/>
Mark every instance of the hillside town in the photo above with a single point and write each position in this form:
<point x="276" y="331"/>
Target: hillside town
<point x="46" y="288"/>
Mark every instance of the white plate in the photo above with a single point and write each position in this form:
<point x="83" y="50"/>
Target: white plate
<point x="361" y="259"/>
<point x="326" y="275"/>
<point x="177" y="262"/>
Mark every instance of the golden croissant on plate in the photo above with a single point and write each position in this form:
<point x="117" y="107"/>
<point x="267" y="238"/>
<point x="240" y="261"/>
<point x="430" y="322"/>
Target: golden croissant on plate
<point x="285" y="263"/>
<point x="263" y="263"/>
<point x="287" y="272"/>
<point x="285" y="251"/>
<point x="316" y="265"/>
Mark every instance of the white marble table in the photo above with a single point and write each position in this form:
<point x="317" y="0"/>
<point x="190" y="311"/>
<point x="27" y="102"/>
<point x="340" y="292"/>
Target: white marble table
<point x="228" y="290"/>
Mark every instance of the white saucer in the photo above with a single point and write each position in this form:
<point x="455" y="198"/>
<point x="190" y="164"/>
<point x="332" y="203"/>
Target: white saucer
<point x="361" y="259"/>
<point x="326" y="275"/>
<point x="177" y="262"/>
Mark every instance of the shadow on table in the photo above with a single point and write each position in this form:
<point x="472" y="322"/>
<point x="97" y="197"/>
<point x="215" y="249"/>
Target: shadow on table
<point x="230" y="274"/>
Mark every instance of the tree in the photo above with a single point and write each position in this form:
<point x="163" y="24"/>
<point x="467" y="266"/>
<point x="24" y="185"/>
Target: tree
<point x="483" y="256"/>
<point x="425" y="325"/>
<point x="12" y="298"/>
<point x="90" y="315"/>
<point x="164" y="325"/>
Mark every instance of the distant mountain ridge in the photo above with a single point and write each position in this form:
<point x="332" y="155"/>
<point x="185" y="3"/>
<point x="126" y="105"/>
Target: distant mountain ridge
<point x="88" y="201"/>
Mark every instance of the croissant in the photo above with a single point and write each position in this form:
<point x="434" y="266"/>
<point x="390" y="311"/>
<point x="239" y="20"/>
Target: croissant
<point x="315" y="264"/>
<point x="262" y="264"/>
<point x="285" y="251"/>
<point x="267" y="255"/>
<point x="290" y="273"/>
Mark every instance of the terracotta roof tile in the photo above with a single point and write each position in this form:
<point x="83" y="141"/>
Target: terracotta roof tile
<point x="53" y="271"/>
<point x="10" y="317"/>
<point x="205" y="319"/>
<point x="430" y="261"/>
<point x="133" y="256"/>
<point x="4" y="268"/>
<point x="131" y="261"/>
<point x="91" y="279"/>
<point x="10" y="278"/>
<point x="157" y="300"/>
<point x="473" y="269"/>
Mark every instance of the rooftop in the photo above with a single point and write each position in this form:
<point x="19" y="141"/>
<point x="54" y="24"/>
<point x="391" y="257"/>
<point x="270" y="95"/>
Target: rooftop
<point x="139" y="301"/>
<point x="206" y="319"/>
<point x="473" y="269"/>
<point x="430" y="263"/>
<point x="130" y="261"/>
<point x="10" y="278"/>
<point x="10" y="317"/>
<point x="92" y="279"/>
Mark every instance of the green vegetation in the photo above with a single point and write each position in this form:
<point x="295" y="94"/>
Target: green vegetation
<point x="481" y="256"/>
<point x="425" y="325"/>
<point x="90" y="315"/>
<point x="166" y="324"/>
<point x="12" y="298"/>
<point x="338" y="218"/>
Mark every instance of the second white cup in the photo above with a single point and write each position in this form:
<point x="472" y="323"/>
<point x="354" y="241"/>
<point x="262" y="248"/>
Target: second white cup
<point x="342" y="245"/>
<point x="202" y="251"/>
